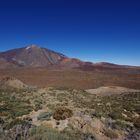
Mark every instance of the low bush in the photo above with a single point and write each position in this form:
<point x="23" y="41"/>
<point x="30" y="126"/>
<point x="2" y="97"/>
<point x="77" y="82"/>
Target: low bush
<point x="89" y="137"/>
<point x="121" y="124"/>
<point x="62" y="113"/>
<point x="14" y="123"/>
<point x="110" y="133"/>
<point x="137" y="123"/>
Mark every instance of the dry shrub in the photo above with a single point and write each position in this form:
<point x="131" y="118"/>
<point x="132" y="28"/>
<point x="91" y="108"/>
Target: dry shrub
<point x="62" y="113"/>
<point x="110" y="133"/>
<point x="137" y="123"/>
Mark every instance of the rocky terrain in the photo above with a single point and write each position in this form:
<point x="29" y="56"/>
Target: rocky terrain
<point x="31" y="113"/>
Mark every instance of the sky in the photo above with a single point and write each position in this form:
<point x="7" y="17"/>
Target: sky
<point x="91" y="30"/>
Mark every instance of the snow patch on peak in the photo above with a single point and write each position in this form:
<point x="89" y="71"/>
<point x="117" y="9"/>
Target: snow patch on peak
<point x="31" y="47"/>
<point x="27" y="48"/>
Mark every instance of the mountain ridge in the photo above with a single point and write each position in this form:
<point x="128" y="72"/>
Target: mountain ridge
<point x="36" y="56"/>
<point x="32" y="56"/>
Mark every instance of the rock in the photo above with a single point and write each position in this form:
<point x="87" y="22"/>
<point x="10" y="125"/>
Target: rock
<point x="44" y="116"/>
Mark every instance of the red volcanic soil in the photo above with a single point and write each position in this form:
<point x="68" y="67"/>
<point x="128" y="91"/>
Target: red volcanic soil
<point x="76" y="78"/>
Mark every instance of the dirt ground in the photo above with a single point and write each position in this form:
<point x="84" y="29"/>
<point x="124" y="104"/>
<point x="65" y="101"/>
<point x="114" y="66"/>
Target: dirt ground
<point x="74" y="78"/>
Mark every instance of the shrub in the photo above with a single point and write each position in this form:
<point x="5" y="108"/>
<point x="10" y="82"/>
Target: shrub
<point x="121" y="124"/>
<point x="15" y="122"/>
<point x="1" y="121"/>
<point x="115" y="115"/>
<point x="62" y="113"/>
<point x="89" y="137"/>
<point x="137" y="123"/>
<point x="38" y="106"/>
<point x="110" y="133"/>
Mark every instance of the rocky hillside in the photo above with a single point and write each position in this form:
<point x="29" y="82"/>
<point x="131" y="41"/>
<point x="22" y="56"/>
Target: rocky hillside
<point x="69" y="114"/>
<point x="4" y="64"/>
<point x="32" y="56"/>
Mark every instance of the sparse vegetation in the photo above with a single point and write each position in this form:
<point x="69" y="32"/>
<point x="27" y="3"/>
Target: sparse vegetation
<point x="44" y="133"/>
<point x="114" y="114"/>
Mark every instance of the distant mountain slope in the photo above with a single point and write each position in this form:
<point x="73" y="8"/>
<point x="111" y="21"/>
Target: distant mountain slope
<point x="5" y="64"/>
<point x="32" y="56"/>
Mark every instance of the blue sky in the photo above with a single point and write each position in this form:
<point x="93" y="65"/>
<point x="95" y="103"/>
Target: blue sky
<point x="92" y="30"/>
